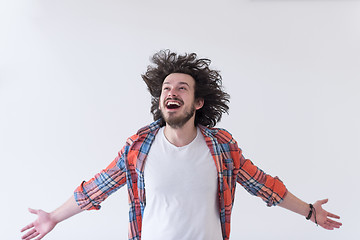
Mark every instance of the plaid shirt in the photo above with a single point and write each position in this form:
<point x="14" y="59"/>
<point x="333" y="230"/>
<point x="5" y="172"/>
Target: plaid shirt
<point x="128" y="168"/>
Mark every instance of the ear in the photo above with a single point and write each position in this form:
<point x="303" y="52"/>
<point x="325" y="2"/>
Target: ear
<point x="199" y="103"/>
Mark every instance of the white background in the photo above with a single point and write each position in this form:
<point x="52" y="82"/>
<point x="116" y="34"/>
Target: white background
<point x="71" y="93"/>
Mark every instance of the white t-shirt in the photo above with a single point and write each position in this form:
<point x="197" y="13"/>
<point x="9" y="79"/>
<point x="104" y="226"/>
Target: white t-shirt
<point x="181" y="192"/>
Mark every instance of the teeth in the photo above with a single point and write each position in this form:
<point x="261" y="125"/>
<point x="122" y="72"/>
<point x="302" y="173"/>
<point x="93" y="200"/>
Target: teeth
<point x="173" y="103"/>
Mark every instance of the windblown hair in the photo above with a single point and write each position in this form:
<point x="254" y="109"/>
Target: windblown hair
<point x="208" y="84"/>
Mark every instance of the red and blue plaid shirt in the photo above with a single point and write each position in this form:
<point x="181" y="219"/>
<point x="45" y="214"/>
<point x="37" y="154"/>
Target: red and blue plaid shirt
<point x="128" y="168"/>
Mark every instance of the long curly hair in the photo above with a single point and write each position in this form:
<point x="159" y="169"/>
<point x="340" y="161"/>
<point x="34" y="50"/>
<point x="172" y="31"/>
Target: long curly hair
<point x="208" y="84"/>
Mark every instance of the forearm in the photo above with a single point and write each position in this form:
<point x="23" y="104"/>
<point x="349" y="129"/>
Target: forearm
<point x="317" y="214"/>
<point x="68" y="209"/>
<point x="295" y="204"/>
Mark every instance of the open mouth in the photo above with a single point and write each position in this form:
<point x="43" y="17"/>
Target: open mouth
<point x="173" y="104"/>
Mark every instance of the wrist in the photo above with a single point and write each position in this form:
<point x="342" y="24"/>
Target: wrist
<point x="54" y="217"/>
<point x="312" y="214"/>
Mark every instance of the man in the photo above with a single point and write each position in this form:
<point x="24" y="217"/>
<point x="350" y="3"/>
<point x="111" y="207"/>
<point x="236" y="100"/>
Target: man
<point x="188" y="168"/>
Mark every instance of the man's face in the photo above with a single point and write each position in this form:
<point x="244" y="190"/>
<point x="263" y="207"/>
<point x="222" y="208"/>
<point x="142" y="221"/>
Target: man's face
<point x="177" y="99"/>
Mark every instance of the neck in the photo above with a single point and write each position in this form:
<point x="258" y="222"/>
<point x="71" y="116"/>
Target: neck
<point x="181" y="136"/>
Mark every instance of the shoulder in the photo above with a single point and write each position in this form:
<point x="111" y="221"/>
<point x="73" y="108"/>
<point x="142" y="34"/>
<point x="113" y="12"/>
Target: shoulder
<point x="144" y="132"/>
<point x="221" y="135"/>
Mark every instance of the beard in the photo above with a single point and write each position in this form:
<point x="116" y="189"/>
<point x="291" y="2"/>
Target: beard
<point x="178" y="122"/>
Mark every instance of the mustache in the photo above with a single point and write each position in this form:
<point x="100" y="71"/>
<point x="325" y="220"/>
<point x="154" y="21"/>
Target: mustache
<point x="173" y="99"/>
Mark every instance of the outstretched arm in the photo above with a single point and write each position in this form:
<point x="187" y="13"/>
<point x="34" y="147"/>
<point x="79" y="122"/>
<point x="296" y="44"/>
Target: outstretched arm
<point x="47" y="221"/>
<point x="323" y="218"/>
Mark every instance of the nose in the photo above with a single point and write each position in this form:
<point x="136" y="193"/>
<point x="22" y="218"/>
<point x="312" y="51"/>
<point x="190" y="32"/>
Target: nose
<point x="172" y="92"/>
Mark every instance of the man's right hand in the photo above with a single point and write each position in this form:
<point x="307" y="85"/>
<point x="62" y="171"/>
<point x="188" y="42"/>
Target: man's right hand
<point x="47" y="221"/>
<point x="40" y="227"/>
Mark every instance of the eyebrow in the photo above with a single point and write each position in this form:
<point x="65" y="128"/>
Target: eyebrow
<point x="180" y="83"/>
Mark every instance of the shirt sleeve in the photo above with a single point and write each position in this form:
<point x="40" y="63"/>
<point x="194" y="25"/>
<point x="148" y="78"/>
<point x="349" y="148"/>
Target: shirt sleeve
<point x="258" y="183"/>
<point x="91" y="193"/>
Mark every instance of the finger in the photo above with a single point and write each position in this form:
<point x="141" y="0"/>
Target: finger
<point x="35" y="234"/>
<point x="328" y="226"/>
<point x="333" y="215"/>
<point x="33" y="211"/>
<point x="323" y="201"/>
<point x="40" y="237"/>
<point x="31" y="225"/>
<point x="27" y="235"/>
<point x="334" y="223"/>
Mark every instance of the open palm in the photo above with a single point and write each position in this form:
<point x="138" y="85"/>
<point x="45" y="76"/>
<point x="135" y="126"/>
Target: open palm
<point x="325" y="218"/>
<point x="40" y="227"/>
